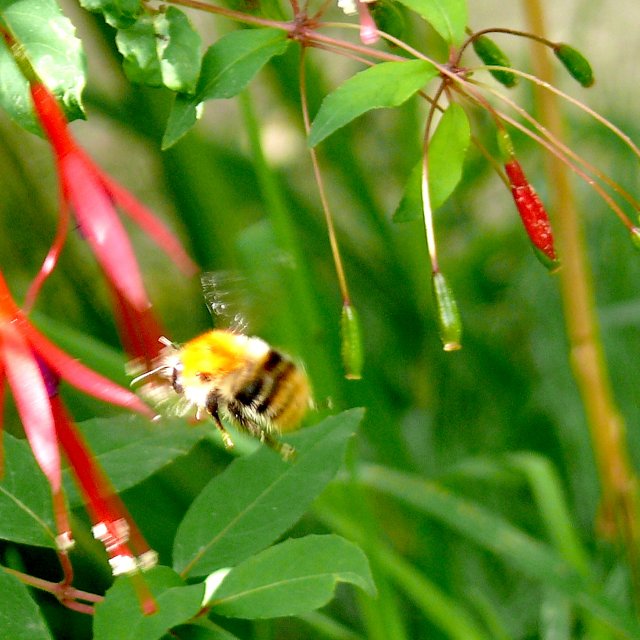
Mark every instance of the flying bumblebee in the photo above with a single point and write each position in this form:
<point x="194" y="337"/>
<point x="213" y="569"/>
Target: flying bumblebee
<point x="225" y="372"/>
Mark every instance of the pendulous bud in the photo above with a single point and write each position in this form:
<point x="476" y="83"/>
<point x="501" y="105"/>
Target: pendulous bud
<point x="449" y="322"/>
<point x="533" y="215"/>
<point x="491" y="54"/>
<point x="575" y="63"/>
<point x="351" y="342"/>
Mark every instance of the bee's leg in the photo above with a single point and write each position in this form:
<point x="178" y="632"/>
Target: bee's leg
<point x="257" y="431"/>
<point x="213" y="407"/>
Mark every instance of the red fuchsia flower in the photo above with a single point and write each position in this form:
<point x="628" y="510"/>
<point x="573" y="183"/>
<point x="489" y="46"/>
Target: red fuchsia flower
<point x="93" y="196"/>
<point x="112" y="523"/>
<point x="33" y="367"/>
<point x="533" y="214"/>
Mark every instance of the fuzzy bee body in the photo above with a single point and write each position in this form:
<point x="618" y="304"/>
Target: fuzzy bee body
<point x="224" y="372"/>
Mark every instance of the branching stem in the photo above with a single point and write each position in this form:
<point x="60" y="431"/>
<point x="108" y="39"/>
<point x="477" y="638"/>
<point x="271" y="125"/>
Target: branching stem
<point x="67" y="594"/>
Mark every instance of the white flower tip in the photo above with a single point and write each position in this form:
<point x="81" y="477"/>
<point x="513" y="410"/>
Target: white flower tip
<point x="113" y="536"/>
<point x="65" y="541"/>
<point x="349" y="7"/>
<point x="123" y="565"/>
<point x="147" y="560"/>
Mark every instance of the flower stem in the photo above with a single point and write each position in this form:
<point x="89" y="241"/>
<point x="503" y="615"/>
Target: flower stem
<point x="618" y="482"/>
<point x="64" y="592"/>
<point x="302" y="314"/>
<point x="333" y="241"/>
<point x="427" y="211"/>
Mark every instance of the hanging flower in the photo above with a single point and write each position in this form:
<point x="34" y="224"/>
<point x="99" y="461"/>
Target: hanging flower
<point x="112" y="523"/>
<point x="533" y="214"/>
<point x="92" y="196"/>
<point x="33" y="367"/>
<point x="368" y="29"/>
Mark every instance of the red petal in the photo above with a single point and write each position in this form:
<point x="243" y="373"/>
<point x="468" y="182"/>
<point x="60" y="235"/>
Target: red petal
<point x="32" y="402"/>
<point x="52" y="119"/>
<point x="100" y="225"/>
<point x="2" y="378"/>
<point x="148" y="222"/>
<point x="139" y="330"/>
<point x="51" y="259"/>
<point x="80" y="376"/>
<point x="92" y="481"/>
<point x="102" y="501"/>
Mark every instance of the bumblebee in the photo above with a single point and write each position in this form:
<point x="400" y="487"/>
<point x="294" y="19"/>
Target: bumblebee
<point x="223" y="372"/>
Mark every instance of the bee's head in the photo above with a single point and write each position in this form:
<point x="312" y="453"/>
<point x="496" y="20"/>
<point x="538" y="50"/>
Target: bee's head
<point x="166" y="365"/>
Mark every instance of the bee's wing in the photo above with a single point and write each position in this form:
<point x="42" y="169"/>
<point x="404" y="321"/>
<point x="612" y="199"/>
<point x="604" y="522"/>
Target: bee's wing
<point x="226" y="297"/>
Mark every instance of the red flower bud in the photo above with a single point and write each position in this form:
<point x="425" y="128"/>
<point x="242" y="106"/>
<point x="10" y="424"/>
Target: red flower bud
<point x="533" y="214"/>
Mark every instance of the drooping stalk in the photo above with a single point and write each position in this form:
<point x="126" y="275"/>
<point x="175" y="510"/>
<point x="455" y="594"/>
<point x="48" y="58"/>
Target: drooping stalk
<point x="303" y="320"/>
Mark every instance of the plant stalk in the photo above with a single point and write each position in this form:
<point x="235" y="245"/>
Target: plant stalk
<point x="619" y="508"/>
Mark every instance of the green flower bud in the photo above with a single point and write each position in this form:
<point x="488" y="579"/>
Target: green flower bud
<point x="351" y="343"/>
<point x="505" y="145"/>
<point x="575" y="63"/>
<point x="635" y="237"/>
<point x="490" y="53"/>
<point x="449" y="321"/>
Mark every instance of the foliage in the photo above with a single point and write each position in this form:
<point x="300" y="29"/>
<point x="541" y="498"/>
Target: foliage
<point x="475" y="496"/>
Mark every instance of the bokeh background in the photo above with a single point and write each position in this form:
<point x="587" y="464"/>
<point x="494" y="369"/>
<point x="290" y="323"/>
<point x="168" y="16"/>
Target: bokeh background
<point x="451" y="417"/>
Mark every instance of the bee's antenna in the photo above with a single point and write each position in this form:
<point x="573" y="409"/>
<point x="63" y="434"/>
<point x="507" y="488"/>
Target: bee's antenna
<point x="167" y="343"/>
<point x="147" y="374"/>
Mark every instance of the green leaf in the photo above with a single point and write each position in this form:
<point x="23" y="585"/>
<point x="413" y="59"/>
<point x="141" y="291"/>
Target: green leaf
<point x="448" y="17"/>
<point x="227" y="68"/>
<point x="179" y="46"/>
<point x="185" y="112"/>
<point x="410" y="206"/>
<point x="389" y="17"/>
<point x="547" y="490"/>
<point x="26" y="513"/>
<point x="515" y="547"/>
<point x="120" y="14"/>
<point x="387" y="84"/>
<point x="230" y="64"/>
<point x="203" y="629"/>
<point x="257" y="498"/>
<point x="137" y="44"/>
<point x="20" y="618"/>
<point x="291" y="578"/>
<point x="131" y="448"/>
<point x="119" y="616"/>
<point x="447" y="151"/>
<point x="54" y="51"/>
<point x="161" y="49"/>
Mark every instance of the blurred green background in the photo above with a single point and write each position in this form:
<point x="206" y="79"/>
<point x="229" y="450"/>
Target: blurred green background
<point x="455" y="418"/>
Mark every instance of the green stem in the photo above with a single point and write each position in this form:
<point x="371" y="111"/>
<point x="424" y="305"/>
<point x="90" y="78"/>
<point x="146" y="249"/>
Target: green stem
<point x="303" y="314"/>
<point x="324" y="200"/>
<point x="618" y="481"/>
